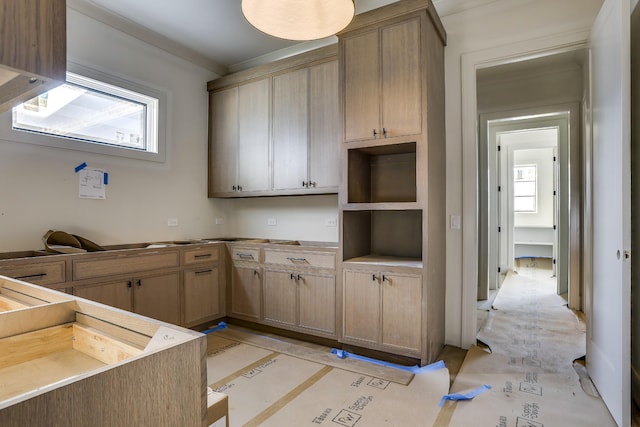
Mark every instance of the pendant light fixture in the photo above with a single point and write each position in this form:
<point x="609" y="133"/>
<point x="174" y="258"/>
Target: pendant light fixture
<point x="299" y="19"/>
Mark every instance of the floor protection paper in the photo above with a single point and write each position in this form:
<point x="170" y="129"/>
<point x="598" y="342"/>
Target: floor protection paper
<point x="276" y="389"/>
<point x="533" y="340"/>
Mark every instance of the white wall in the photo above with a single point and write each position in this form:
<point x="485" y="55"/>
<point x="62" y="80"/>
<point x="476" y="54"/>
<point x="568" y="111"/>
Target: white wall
<point x="542" y="158"/>
<point x="297" y="218"/>
<point x="38" y="185"/>
<point x="496" y="33"/>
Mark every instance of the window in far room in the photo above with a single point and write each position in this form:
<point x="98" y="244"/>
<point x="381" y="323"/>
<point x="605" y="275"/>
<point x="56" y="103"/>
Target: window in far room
<point x="524" y="188"/>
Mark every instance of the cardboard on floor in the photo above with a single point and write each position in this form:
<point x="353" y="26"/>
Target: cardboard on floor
<point x="271" y="388"/>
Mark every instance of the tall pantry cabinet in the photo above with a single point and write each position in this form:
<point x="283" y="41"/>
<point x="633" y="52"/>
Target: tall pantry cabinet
<point x="392" y="195"/>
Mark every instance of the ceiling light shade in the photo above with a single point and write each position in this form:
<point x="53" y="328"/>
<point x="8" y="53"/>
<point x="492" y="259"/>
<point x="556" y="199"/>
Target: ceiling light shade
<point x="299" y="19"/>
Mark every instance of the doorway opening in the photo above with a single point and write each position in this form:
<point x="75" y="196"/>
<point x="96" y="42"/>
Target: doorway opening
<point x="527" y="200"/>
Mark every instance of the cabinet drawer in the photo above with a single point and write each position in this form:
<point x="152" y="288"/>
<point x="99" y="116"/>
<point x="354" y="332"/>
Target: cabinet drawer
<point x="200" y="255"/>
<point x="245" y="254"/>
<point x="40" y="273"/>
<point x="123" y="264"/>
<point x="300" y="259"/>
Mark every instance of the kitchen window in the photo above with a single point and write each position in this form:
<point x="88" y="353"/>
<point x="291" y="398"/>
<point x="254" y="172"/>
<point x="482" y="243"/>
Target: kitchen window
<point x="95" y="112"/>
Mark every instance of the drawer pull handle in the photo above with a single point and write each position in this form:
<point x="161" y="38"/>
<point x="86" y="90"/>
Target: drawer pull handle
<point x="32" y="276"/>
<point x="294" y="260"/>
<point x="203" y="256"/>
<point x="244" y="256"/>
<point x="203" y="272"/>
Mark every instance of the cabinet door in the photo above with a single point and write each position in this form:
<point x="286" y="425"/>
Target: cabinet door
<point x="290" y="129"/>
<point x="401" y="96"/>
<point x="158" y="297"/>
<point x="224" y="141"/>
<point x="116" y="294"/>
<point x="253" y="136"/>
<point x="361" y="86"/>
<point x="201" y="295"/>
<point x="280" y="297"/>
<point x="361" y="307"/>
<point x="317" y="302"/>
<point x="246" y="291"/>
<point x="402" y="311"/>
<point x="324" y="125"/>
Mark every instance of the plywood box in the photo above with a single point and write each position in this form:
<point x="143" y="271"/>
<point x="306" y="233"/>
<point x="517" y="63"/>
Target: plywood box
<point x="68" y="361"/>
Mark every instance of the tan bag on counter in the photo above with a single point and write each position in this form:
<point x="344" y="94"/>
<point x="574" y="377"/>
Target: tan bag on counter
<point x="65" y="243"/>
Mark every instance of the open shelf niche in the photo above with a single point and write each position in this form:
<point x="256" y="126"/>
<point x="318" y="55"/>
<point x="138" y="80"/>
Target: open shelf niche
<point x="382" y="174"/>
<point x="392" y="237"/>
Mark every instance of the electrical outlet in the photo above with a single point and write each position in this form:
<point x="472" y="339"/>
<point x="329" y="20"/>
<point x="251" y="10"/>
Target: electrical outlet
<point x="272" y="221"/>
<point x="219" y="221"/>
<point x="172" y="222"/>
<point x="331" y="222"/>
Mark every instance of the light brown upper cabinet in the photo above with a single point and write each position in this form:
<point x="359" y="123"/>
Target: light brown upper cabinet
<point x="382" y="82"/>
<point x="305" y="128"/>
<point x="274" y="129"/>
<point x="239" y="148"/>
<point x="33" y="52"/>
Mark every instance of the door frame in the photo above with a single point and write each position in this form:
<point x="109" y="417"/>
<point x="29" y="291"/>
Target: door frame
<point x="469" y="64"/>
<point x="566" y="118"/>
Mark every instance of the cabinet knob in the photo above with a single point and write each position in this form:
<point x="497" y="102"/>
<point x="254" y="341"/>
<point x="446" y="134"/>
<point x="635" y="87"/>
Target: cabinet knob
<point x="304" y="184"/>
<point x="384" y="278"/>
<point x="384" y="132"/>
<point x="373" y="277"/>
<point x="375" y="133"/>
<point x="255" y="272"/>
<point x="129" y="284"/>
<point x="239" y="187"/>
<point x="139" y="282"/>
<point x="234" y="188"/>
<point x="312" y="184"/>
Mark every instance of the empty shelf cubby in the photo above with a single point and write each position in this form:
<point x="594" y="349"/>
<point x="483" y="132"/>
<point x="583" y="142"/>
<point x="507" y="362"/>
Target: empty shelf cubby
<point x="382" y="174"/>
<point x="383" y="233"/>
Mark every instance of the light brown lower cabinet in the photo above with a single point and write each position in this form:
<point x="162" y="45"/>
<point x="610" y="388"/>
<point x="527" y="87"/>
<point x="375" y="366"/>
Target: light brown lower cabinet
<point x="201" y="295"/>
<point x="157" y="297"/>
<point x="116" y="294"/>
<point x="246" y="291"/>
<point x="383" y="310"/>
<point x="300" y="300"/>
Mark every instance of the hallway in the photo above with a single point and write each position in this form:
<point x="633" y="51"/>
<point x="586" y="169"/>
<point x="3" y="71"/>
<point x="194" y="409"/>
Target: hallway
<point x="531" y="341"/>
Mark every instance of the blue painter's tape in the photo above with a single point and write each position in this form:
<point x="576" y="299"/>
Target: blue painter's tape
<point x="80" y="167"/>
<point x="221" y="325"/>
<point x="465" y="396"/>
<point x="342" y="354"/>
<point x="105" y="179"/>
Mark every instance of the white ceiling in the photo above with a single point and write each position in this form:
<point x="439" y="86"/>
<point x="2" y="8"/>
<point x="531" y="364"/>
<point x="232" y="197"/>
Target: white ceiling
<point x="214" y="33"/>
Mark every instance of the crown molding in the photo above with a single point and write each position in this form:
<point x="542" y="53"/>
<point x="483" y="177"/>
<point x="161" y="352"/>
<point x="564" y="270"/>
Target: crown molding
<point x="146" y="35"/>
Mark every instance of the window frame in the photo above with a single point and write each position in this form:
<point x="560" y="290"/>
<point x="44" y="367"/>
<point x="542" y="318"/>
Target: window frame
<point x="8" y="133"/>
<point x="535" y="185"/>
